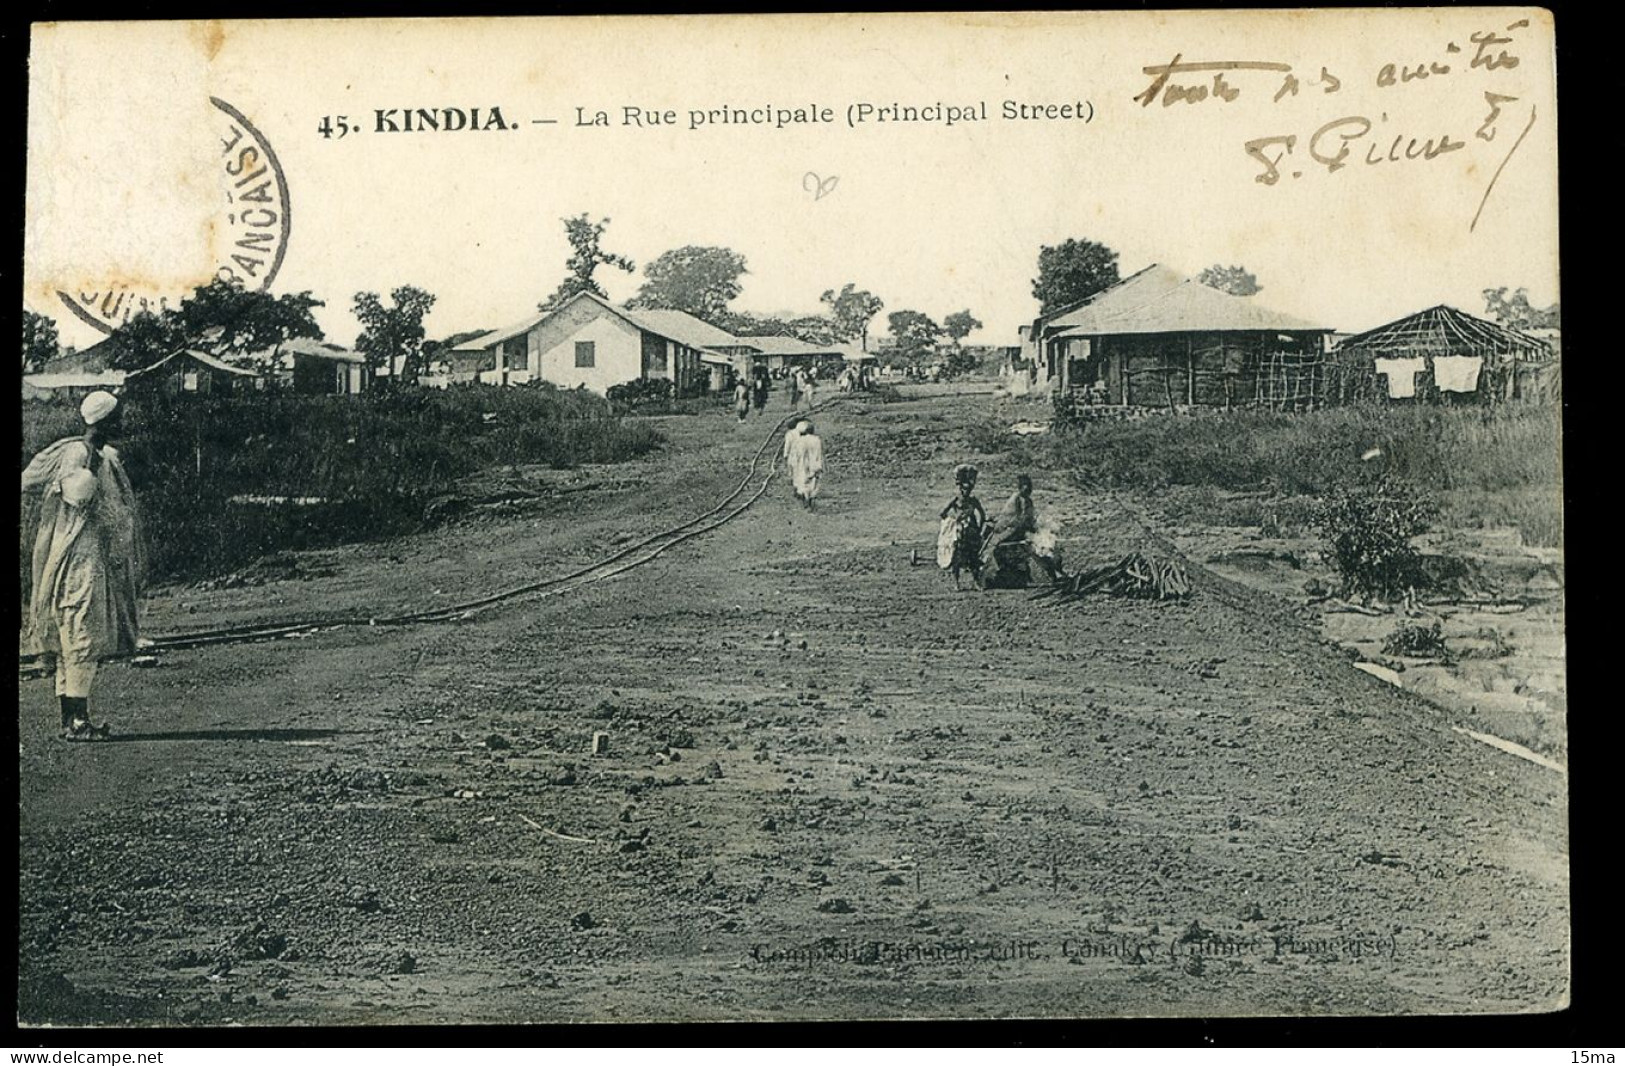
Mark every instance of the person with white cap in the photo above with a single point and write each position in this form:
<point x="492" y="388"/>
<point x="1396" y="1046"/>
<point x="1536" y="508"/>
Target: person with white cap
<point x="804" y="455"/>
<point x="87" y="560"/>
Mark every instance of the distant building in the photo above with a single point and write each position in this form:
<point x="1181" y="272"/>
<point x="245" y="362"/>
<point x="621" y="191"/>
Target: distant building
<point x="789" y="353"/>
<point x="591" y="343"/>
<point x="73" y="384"/>
<point x="302" y="364"/>
<point x="313" y="368"/>
<point x="1160" y="339"/>
<point x="193" y="371"/>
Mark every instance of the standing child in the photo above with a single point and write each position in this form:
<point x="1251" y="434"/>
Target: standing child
<point x="742" y="399"/>
<point x="959" y="542"/>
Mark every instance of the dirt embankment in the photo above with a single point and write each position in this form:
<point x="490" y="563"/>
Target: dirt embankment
<point x="831" y="787"/>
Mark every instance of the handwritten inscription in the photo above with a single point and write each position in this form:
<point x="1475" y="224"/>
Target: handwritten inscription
<point x="1359" y="141"/>
<point x="1174" y="82"/>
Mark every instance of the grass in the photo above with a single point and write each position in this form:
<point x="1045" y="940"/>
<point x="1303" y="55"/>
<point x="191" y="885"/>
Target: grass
<point x="1484" y="466"/>
<point x="374" y="462"/>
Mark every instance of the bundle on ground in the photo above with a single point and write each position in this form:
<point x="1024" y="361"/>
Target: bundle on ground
<point x="1135" y="576"/>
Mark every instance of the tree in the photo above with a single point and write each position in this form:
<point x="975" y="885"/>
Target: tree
<point x="1235" y="280"/>
<point x="222" y="318"/>
<point x="393" y="334"/>
<point x="852" y="309"/>
<point x="145" y="338"/>
<point x="586" y="256"/>
<point x="1517" y="313"/>
<point x="915" y="332"/>
<point x="698" y="280"/>
<point x="960" y="325"/>
<point x="1071" y="272"/>
<point x="814" y="329"/>
<point x="227" y="319"/>
<point x="40" y="342"/>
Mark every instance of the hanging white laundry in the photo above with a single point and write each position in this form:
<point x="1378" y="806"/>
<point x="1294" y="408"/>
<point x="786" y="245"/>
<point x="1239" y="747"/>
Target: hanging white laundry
<point x="1457" y="373"/>
<point x="1401" y="375"/>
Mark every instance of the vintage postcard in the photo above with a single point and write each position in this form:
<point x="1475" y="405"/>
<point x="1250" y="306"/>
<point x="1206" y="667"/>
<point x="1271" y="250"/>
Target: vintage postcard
<point x="1047" y="515"/>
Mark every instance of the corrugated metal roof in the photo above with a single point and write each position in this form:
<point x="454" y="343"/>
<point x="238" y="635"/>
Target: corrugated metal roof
<point x="202" y="357"/>
<point x="679" y="326"/>
<point x="83" y="379"/>
<point x="1162" y="300"/>
<point x="315" y="349"/>
<point x="769" y="345"/>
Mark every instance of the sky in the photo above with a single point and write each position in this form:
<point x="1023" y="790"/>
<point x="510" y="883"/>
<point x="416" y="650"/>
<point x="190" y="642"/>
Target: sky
<point x="126" y="187"/>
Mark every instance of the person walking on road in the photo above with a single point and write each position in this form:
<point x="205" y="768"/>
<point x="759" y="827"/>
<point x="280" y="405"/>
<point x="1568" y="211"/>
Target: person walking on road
<point x="742" y="399"/>
<point x="760" y="393"/>
<point x="87" y="560"/>
<point x="959" y="541"/>
<point x="804" y="455"/>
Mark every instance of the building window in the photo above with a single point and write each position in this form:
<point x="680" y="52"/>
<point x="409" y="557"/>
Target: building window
<point x="586" y="353"/>
<point x="514" y="355"/>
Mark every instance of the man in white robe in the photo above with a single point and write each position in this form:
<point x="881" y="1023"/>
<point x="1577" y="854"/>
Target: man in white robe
<point x="87" y="560"/>
<point x="804" y="456"/>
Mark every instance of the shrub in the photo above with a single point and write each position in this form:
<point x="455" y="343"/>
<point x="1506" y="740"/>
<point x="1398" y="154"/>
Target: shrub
<point x="959" y="363"/>
<point x="1416" y="641"/>
<point x="1488" y="466"/>
<point x="1369" y="533"/>
<point x="642" y="393"/>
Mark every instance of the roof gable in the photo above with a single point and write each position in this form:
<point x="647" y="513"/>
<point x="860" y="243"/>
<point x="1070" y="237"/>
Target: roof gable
<point x="672" y="324"/>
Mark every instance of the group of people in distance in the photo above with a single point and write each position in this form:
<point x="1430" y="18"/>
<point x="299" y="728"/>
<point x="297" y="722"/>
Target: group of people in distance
<point x="753" y="391"/>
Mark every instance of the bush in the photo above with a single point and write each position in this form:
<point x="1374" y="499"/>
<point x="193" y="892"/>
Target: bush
<point x="1488" y="466"/>
<point x="643" y="393"/>
<point x="959" y="363"/>
<point x="1369" y="533"/>
<point x="1416" y="641"/>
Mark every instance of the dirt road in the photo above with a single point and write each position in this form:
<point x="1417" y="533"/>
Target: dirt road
<point x="834" y="787"/>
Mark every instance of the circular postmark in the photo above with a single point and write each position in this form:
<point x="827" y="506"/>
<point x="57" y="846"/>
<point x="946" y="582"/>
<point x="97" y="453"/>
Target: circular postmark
<point x="248" y="227"/>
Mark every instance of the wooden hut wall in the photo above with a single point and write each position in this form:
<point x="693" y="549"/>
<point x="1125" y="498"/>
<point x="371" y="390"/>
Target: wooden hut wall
<point x="1210" y="369"/>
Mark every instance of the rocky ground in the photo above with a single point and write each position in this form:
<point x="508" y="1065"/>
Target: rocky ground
<point x="830" y="786"/>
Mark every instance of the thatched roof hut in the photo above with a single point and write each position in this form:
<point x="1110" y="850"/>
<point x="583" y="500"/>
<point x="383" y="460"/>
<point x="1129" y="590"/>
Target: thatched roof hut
<point x="1445" y="350"/>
